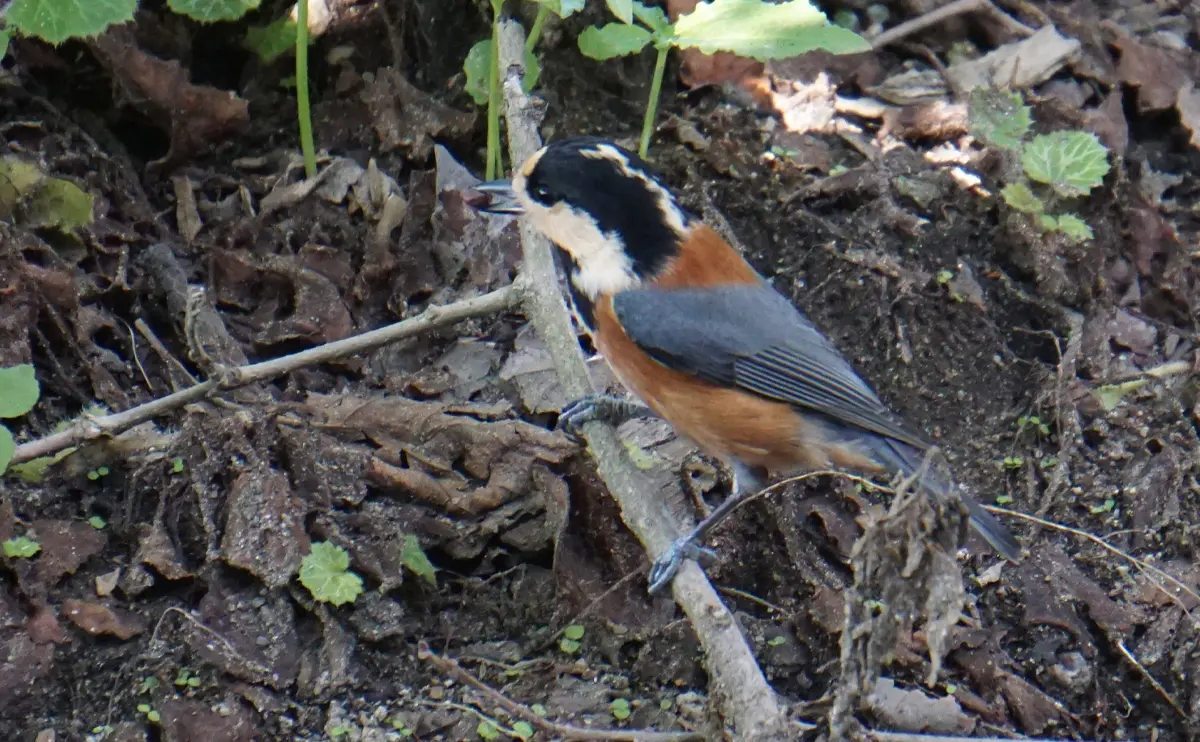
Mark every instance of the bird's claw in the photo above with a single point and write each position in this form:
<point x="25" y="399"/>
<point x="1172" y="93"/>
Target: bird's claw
<point x="603" y="407"/>
<point x="668" y="563"/>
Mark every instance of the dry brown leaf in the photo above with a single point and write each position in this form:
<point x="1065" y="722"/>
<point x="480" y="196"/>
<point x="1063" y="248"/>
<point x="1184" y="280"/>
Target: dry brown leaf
<point x="100" y="620"/>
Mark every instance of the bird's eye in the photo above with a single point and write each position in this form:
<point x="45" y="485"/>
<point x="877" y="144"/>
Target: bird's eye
<point x="542" y="194"/>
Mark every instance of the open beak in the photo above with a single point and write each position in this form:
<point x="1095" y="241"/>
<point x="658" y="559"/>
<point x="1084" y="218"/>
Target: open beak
<point x="494" y="197"/>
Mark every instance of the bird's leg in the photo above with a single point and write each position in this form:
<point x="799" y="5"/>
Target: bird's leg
<point x="747" y="481"/>
<point x="604" y="407"/>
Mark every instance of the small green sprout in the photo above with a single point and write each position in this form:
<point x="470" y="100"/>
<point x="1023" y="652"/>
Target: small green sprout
<point x="21" y="547"/>
<point x="620" y="709"/>
<point x="149" y="712"/>
<point x="97" y="473"/>
<point x="1026" y="422"/>
<point x="186" y="679"/>
<point x="97" y="522"/>
<point x="569" y="644"/>
<point x="326" y="573"/>
<point x="149" y="684"/>
<point x="666" y="704"/>
<point x="415" y="560"/>
<point x="1013" y="462"/>
<point x="177" y="465"/>
<point x="487" y="730"/>
<point x="338" y="731"/>
<point x="1108" y="506"/>
<point x="523" y="730"/>
<point x="750" y="28"/>
<point x="1061" y="164"/>
<point x="944" y="277"/>
<point x="777" y="641"/>
<point x="539" y="709"/>
<point x="1004" y="499"/>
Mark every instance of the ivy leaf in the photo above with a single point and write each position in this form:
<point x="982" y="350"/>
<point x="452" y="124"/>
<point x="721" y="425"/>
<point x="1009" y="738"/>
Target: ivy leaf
<point x="325" y="572"/>
<point x="752" y="28"/>
<point x="413" y="557"/>
<point x="1022" y="198"/>
<point x="19" y="390"/>
<point x="612" y="40"/>
<point x="211" y="11"/>
<point x="55" y="21"/>
<point x="622" y="9"/>
<point x="1074" y="227"/>
<point x="477" y="67"/>
<point x="8" y="447"/>
<point x="1070" y="162"/>
<point x="998" y="117"/>
<point x="21" y="547"/>
<point x="272" y="40"/>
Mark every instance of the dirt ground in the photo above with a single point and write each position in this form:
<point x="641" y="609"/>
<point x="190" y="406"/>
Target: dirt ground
<point x="177" y="614"/>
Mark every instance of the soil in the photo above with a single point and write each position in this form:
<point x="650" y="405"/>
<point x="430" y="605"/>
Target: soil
<point x="989" y="336"/>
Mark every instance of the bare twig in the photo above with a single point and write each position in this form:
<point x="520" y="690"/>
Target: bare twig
<point x="947" y="11"/>
<point x="748" y="705"/>
<point x="90" y="428"/>
<point x="1150" y="679"/>
<point x="449" y="667"/>
<point x="1141" y="564"/>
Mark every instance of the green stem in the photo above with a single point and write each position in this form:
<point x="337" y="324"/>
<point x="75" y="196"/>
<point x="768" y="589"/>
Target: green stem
<point x="493" y="167"/>
<point x="536" y="31"/>
<point x="303" y="112"/>
<point x="660" y="69"/>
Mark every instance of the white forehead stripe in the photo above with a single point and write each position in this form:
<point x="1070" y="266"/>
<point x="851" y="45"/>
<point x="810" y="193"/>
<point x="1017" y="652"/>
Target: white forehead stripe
<point x="666" y="202"/>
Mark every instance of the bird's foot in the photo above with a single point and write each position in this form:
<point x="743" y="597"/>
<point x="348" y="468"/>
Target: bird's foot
<point x="603" y="407"/>
<point x="669" y="562"/>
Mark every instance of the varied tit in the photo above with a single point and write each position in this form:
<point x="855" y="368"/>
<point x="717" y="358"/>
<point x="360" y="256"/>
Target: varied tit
<point x="689" y="327"/>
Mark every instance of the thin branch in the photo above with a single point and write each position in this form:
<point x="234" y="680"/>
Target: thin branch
<point x="90" y="428"/>
<point x="449" y="667"/>
<point x="945" y="12"/>
<point x="748" y="705"/>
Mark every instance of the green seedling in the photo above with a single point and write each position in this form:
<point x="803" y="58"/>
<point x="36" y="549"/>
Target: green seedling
<point x="750" y="28"/>
<point x="571" y="635"/>
<point x="97" y="522"/>
<point x="19" y="392"/>
<point x="1013" y="462"/>
<point x="1004" y="499"/>
<point x="1032" y="422"/>
<point x="326" y="573"/>
<point x="1053" y="168"/>
<point x="413" y="557"/>
<point x="97" y="473"/>
<point x="149" y="712"/>
<point x="21" y="547"/>
<point x="177" y="465"/>
<point x="487" y="730"/>
<point x="620" y="709"/>
<point x="149" y="684"/>
<point x="482" y="70"/>
<point x="1108" y="506"/>
<point x="186" y="680"/>
<point x="523" y="730"/>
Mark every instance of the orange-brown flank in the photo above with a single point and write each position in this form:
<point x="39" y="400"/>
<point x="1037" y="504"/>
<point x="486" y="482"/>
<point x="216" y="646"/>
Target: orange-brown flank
<point x="726" y="422"/>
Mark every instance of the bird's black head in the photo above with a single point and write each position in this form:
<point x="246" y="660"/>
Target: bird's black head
<point x="605" y="208"/>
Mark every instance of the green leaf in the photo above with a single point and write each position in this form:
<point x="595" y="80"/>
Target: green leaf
<point x="533" y="71"/>
<point x="622" y="9"/>
<point x="19" y="390"/>
<point x="21" y="547"/>
<point x="487" y="730"/>
<point x="574" y="631"/>
<point x="568" y="646"/>
<point x="59" y="203"/>
<point x="1074" y="227"/>
<point x="97" y="522"/>
<point x="1047" y="222"/>
<point x="414" y="558"/>
<point x="563" y="8"/>
<point x="653" y="16"/>
<point x="477" y="66"/>
<point x="1070" y="162"/>
<point x="273" y="40"/>
<point x="1022" y="198"/>
<point x="211" y="11"/>
<point x="763" y="31"/>
<point x="523" y="730"/>
<point x="620" y="709"/>
<point x="612" y="40"/>
<point x="325" y="572"/>
<point x="8" y="447"/>
<point x="998" y="117"/>
<point x="5" y="36"/>
<point x="55" y="21"/>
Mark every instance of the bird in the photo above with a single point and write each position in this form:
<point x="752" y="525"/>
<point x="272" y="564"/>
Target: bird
<point x="703" y="340"/>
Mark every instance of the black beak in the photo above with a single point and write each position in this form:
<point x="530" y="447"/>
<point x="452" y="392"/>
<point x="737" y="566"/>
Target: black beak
<point x="494" y="197"/>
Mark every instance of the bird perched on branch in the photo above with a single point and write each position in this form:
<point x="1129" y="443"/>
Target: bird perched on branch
<point x="691" y="329"/>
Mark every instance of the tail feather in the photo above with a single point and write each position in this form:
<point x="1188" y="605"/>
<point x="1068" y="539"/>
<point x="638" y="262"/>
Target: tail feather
<point x="907" y="460"/>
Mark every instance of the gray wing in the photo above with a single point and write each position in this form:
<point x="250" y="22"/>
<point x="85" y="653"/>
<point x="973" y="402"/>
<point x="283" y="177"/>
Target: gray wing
<point x="751" y="337"/>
